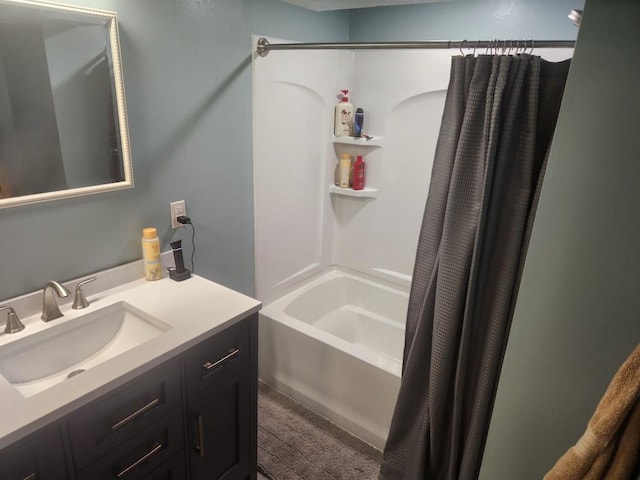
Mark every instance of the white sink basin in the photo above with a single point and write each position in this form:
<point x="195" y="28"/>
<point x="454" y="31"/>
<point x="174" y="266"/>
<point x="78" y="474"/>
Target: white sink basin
<point x="44" y="359"/>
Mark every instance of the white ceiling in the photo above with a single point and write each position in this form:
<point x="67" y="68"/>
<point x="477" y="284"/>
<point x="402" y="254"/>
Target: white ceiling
<point x="323" y="5"/>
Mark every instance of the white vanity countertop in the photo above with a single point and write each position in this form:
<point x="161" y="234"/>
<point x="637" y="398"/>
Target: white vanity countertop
<point x="195" y="309"/>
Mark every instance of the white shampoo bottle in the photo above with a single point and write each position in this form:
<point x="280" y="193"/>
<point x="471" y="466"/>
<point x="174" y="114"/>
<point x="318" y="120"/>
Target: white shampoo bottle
<point x="344" y="116"/>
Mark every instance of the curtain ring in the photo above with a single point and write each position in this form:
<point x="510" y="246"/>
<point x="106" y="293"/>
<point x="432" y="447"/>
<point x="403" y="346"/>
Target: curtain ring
<point x="533" y="45"/>
<point x="475" y="47"/>
<point x="461" y="46"/>
<point x="490" y="47"/>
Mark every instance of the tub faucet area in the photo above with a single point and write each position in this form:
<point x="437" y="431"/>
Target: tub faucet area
<point x="50" y="309"/>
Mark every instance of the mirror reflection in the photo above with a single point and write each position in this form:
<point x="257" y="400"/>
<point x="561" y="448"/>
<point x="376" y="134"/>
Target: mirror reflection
<point x="62" y="117"/>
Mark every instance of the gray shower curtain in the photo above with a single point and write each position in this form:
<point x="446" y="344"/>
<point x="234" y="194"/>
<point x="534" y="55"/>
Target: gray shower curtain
<point x="500" y="114"/>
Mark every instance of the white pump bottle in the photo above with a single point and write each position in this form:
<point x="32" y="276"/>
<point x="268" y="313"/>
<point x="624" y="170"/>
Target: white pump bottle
<point x="344" y="116"/>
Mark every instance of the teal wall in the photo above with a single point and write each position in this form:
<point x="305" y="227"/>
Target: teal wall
<point x="470" y="20"/>
<point x="188" y="86"/>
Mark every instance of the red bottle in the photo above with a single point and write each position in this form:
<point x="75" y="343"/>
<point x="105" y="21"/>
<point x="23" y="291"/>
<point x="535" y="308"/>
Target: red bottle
<point x="358" y="173"/>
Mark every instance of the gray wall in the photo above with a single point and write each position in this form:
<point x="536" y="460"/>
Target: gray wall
<point x="577" y="317"/>
<point x="188" y="84"/>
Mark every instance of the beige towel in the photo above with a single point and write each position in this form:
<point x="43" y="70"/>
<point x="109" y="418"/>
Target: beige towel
<point x="609" y="447"/>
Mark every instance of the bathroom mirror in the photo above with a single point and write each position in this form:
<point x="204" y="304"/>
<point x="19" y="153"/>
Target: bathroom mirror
<point x="63" y="121"/>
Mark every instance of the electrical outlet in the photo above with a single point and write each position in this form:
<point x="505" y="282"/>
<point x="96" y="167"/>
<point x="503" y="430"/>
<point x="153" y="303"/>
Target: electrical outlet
<point x="177" y="208"/>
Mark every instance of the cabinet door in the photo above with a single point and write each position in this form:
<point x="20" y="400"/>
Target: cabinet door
<point x="220" y="429"/>
<point x="38" y="458"/>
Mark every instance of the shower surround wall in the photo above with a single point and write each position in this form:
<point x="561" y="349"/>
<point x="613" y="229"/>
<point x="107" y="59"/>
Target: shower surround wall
<point x="402" y="93"/>
<point x="292" y="125"/>
<point x="300" y="227"/>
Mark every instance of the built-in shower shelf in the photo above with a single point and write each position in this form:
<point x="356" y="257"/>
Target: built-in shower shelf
<point x="374" y="142"/>
<point x="367" y="192"/>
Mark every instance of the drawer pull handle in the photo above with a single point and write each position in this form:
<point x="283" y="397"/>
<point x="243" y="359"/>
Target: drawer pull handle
<point x="136" y="414"/>
<point x="156" y="449"/>
<point x="32" y="476"/>
<point x="208" y="366"/>
<point x="200" y="428"/>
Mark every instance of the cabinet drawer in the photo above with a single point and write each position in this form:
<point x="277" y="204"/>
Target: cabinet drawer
<point x="142" y="453"/>
<point x="173" y="469"/>
<point x="39" y="458"/>
<point x="225" y="351"/>
<point x="109" y="421"/>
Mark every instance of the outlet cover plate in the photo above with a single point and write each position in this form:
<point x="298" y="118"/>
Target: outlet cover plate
<point x="176" y="209"/>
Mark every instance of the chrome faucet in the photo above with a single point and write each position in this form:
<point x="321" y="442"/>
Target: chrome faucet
<point x="14" y="325"/>
<point x="50" y="310"/>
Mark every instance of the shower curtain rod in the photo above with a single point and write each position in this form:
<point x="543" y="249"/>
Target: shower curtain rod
<point x="263" y="47"/>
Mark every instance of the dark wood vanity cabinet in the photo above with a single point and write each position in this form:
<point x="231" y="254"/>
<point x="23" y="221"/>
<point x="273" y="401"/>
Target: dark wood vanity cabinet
<point x="193" y="417"/>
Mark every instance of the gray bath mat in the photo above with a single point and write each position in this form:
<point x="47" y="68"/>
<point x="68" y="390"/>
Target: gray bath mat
<point x="296" y="444"/>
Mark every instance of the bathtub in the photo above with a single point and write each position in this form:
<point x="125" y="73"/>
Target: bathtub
<point x="335" y="345"/>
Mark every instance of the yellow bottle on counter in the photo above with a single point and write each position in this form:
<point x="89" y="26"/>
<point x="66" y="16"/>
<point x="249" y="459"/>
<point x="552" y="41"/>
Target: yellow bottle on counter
<point x="151" y="254"/>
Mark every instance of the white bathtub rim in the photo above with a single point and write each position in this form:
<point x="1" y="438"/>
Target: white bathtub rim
<point x="328" y="274"/>
<point x="336" y="271"/>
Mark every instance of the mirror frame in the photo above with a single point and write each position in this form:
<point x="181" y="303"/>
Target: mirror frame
<point x="111" y="23"/>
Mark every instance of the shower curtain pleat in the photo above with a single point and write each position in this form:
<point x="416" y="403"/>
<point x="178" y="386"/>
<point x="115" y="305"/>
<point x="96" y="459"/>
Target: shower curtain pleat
<point x="484" y="186"/>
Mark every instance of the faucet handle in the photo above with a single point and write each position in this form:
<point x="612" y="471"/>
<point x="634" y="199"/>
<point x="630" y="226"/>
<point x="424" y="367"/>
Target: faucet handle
<point x="80" y="301"/>
<point x="14" y="325"/>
